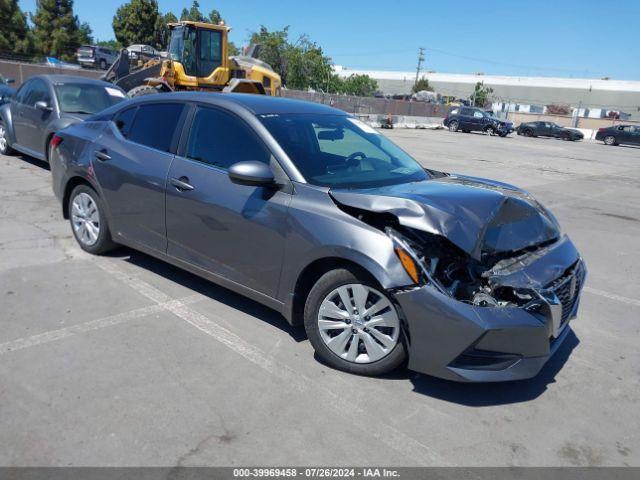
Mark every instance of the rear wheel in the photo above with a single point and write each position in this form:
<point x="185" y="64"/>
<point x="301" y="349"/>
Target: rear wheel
<point x="142" y="90"/>
<point x="88" y="221"/>
<point x="528" y="132"/>
<point x="453" y="126"/>
<point x="352" y="324"/>
<point x="610" y="140"/>
<point x="5" y="149"/>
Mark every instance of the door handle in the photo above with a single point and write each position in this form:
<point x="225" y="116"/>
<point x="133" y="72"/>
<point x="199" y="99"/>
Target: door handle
<point x="182" y="184"/>
<point x="102" y="155"/>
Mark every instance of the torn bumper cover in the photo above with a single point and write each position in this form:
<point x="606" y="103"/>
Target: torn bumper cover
<point x="495" y="282"/>
<point x="464" y="342"/>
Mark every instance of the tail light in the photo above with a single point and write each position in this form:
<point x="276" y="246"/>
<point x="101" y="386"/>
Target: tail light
<point x="55" y="141"/>
<point x="601" y="130"/>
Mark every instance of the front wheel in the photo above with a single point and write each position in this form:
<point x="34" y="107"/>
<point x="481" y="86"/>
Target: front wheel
<point x="353" y="325"/>
<point x="5" y="149"/>
<point x="490" y="131"/>
<point x="88" y="221"/>
<point x="610" y="140"/>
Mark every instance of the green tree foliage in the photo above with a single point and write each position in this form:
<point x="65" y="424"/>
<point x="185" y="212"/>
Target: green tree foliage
<point x="57" y="31"/>
<point x="302" y="64"/>
<point x="111" y="44"/>
<point x="15" y="36"/>
<point x="193" y="14"/>
<point x="360" y="85"/>
<point x="137" y="22"/>
<point x="480" y="96"/>
<point x="422" y="84"/>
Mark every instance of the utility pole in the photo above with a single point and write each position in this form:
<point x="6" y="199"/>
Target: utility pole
<point x="419" y="69"/>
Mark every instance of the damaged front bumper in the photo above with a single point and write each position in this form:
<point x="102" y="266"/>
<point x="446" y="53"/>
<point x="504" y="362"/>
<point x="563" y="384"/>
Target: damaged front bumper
<point x="458" y="341"/>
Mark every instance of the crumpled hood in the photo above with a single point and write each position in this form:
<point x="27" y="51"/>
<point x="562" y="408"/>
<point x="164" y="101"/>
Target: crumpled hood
<point x="477" y="215"/>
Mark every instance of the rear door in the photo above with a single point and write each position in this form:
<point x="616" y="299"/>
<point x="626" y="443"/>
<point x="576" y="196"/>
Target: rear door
<point x="232" y="230"/>
<point x="635" y="134"/>
<point x="131" y="162"/>
<point x="466" y="118"/>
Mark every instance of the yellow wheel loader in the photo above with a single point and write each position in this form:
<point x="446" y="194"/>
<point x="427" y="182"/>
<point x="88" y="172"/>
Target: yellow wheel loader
<point x="197" y="59"/>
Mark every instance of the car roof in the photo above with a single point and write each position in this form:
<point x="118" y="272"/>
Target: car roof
<point x="255" y="104"/>
<point x="60" y="78"/>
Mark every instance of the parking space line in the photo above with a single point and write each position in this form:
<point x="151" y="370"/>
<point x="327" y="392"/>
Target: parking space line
<point x="59" y="334"/>
<point x="612" y="296"/>
<point x="387" y="434"/>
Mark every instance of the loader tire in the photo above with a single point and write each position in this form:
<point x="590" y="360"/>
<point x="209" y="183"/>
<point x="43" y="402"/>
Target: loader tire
<point x="142" y="90"/>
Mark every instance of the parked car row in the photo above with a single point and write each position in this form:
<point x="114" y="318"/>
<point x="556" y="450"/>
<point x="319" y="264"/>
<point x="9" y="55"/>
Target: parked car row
<point x="471" y="119"/>
<point x="315" y="214"/>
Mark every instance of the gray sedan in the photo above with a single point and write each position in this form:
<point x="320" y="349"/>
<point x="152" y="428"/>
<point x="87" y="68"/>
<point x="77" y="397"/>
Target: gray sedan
<point x="45" y="104"/>
<point x="308" y="210"/>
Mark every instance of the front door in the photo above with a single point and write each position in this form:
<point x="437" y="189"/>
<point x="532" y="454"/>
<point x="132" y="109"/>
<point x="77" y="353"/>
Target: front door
<point x="131" y="161"/>
<point x="34" y="119"/>
<point x="232" y="230"/>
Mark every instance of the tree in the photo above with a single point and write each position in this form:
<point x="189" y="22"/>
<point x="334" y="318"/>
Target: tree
<point x="422" y="84"/>
<point x="15" y="36"/>
<point x="137" y="22"/>
<point x="480" y="96"/>
<point x="110" y="44"/>
<point x="162" y="31"/>
<point x="193" y="14"/>
<point x="84" y="34"/>
<point x="57" y="31"/>
<point x="359" y="85"/>
<point x="301" y="64"/>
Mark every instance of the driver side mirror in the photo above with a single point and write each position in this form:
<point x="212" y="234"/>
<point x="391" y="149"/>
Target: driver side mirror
<point x="252" y="174"/>
<point x="44" y="106"/>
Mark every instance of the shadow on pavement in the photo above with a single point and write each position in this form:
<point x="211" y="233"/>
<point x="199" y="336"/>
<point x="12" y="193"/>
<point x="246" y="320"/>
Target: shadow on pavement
<point x="209" y="289"/>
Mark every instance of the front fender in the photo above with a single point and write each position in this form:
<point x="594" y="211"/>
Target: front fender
<point x="7" y="119"/>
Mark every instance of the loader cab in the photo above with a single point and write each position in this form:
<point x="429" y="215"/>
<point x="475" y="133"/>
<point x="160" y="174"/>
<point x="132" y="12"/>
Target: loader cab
<point x="200" y="50"/>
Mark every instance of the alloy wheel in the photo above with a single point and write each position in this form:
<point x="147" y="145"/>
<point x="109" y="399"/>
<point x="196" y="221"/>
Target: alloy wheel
<point x="3" y="139"/>
<point x="609" y="140"/>
<point x="358" y="323"/>
<point x="490" y="131"/>
<point x="453" y="126"/>
<point x="85" y="219"/>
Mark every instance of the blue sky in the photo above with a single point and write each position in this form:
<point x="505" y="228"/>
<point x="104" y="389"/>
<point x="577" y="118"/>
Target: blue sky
<point x="577" y="38"/>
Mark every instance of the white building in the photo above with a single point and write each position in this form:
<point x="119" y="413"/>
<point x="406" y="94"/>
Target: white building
<point x="594" y="98"/>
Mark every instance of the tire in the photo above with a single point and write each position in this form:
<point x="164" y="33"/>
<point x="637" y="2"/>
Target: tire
<point x="103" y="64"/>
<point x="466" y="131"/>
<point x="86" y="215"/>
<point x="5" y="148"/>
<point x="453" y="126"/>
<point x="141" y="90"/>
<point x="528" y="133"/>
<point x="362" y="358"/>
<point x="610" y="140"/>
<point x="490" y="131"/>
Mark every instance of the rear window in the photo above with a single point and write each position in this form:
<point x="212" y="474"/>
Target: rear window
<point x="155" y="125"/>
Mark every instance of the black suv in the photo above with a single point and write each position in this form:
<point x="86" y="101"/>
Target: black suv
<point x="470" y="119"/>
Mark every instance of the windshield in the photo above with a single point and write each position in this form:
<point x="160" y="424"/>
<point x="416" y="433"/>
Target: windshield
<point x="341" y="152"/>
<point x="86" y="98"/>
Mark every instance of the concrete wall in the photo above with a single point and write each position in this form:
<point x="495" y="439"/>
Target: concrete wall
<point x="20" y="72"/>
<point x="371" y="106"/>
<point x="566" y="120"/>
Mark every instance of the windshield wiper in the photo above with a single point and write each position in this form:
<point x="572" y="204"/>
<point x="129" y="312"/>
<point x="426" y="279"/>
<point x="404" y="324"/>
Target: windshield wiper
<point x="82" y="112"/>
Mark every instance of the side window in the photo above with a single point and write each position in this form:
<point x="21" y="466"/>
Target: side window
<point x="23" y="92"/>
<point x="477" y="114"/>
<point x="455" y="111"/>
<point x="39" y="92"/>
<point x="124" y="120"/>
<point x="155" y="125"/>
<point x="221" y="139"/>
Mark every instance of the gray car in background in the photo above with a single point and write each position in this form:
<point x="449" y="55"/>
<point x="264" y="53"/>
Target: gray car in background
<point x="94" y="56"/>
<point x="45" y="104"/>
<point x="313" y="213"/>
